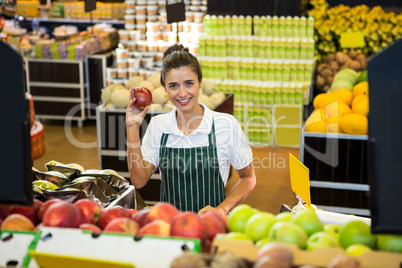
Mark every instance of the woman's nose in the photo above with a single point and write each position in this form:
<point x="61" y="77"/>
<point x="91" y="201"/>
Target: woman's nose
<point x="182" y="92"/>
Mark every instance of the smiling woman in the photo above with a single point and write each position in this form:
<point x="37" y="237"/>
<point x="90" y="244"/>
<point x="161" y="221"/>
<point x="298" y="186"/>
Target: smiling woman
<point x="193" y="146"/>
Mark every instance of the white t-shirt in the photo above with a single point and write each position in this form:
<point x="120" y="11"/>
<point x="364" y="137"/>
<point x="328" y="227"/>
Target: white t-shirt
<point x="232" y="146"/>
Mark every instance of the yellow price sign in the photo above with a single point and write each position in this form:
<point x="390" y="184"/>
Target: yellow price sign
<point x="352" y="39"/>
<point x="300" y="179"/>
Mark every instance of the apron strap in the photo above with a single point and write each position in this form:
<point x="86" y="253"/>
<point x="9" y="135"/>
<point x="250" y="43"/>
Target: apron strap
<point x="211" y="135"/>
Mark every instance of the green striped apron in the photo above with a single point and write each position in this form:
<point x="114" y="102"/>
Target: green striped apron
<point x="190" y="176"/>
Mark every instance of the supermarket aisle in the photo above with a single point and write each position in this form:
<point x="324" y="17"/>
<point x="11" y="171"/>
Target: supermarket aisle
<point x="67" y="145"/>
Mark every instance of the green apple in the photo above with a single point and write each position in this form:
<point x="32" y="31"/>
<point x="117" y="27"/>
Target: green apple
<point x="308" y="220"/>
<point x="333" y="229"/>
<point x="357" y="249"/>
<point x="258" y="225"/>
<point x="288" y="232"/>
<point x="356" y="232"/>
<point x="262" y="242"/>
<point x="284" y="216"/>
<point x="239" y="216"/>
<point x="321" y="240"/>
<point x="236" y="236"/>
<point x="389" y="242"/>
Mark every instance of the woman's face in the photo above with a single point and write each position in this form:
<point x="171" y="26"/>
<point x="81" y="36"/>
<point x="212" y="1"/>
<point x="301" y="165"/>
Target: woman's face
<point x="183" y="88"/>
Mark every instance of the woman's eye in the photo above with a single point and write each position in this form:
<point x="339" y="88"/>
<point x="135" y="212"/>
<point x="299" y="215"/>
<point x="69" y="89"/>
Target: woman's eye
<point x="173" y="86"/>
<point x="189" y="84"/>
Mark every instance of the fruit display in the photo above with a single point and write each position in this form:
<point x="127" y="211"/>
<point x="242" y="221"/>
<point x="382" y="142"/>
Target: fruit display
<point x="335" y="62"/>
<point x="380" y="28"/>
<point x="118" y="96"/>
<point x="344" y="107"/>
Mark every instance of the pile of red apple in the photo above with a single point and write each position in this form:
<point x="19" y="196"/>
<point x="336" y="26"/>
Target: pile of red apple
<point x="163" y="219"/>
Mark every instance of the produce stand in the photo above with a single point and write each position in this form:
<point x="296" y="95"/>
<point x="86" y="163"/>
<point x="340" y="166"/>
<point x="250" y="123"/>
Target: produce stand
<point x="338" y="171"/>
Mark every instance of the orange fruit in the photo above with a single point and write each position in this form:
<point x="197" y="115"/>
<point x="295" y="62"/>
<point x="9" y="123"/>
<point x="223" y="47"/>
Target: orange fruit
<point x="317" y="122"/>
<point x="345" y="94"/>
<point x="354" y="124"/>
<point x="333" y="125"/>
<point x="361" y="105"/>
<point x="323" y="99"/>
<point x="337" y="109"/>
<point x="361" y="89"/>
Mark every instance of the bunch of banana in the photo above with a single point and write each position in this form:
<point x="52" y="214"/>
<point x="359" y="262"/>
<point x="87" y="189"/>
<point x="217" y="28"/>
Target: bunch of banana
<point x="379" y="27"/>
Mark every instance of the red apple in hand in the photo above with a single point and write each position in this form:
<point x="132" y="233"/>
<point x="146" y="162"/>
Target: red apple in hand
<point x="90" y="210"/>
<point x="143" y="97"/>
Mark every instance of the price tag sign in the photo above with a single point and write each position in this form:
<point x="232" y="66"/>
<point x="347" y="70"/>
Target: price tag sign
<point x="175" y="11"/>
<point x="300" y="179"/>
<point x="352" y="39"/>
<point x="90" y="5"/>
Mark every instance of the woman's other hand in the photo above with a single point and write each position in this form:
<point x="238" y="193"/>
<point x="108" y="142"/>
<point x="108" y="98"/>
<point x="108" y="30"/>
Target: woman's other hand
<point x="207" y="208"/>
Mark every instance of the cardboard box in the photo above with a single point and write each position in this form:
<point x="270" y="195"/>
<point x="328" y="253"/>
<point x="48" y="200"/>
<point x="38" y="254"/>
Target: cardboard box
<point x="319" y="257"/>
<point x="68" y="247"/>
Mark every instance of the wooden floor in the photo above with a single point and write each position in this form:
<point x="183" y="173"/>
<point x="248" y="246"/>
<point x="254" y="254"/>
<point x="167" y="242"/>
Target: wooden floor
<point x="73" y="144"/>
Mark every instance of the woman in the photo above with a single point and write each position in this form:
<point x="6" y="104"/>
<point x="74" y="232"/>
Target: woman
<point x="193" y="146"/>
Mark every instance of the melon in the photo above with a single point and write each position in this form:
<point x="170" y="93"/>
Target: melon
<point x="342" y="83"/>
<point x="168" y="106"/>
<point x="120" y="98"/>
<point x="155" y="79"/>
<point x="146" y="84"/>
<point x="217" y="98"/>
<point x="134" y="82"/>
<point x="208" y="87"/>
<point x="107" y="91"/>
<point x="347" y="74"/>
<point x="155" y="107"/>
<point x="204" y="99"/>
<point x="159" y="96"/>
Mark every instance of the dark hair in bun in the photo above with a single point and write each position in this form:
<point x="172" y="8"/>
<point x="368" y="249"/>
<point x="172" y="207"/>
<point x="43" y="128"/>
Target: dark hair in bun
<point x="177" y="56"/>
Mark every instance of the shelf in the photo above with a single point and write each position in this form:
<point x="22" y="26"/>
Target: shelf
<point x="63" y="20"/>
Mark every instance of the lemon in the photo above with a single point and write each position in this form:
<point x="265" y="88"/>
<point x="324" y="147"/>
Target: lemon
<point x="317" y="122"/>
<point x="361" y="105"/>
<point x="361" y="89"/>
<point x="345" y="94"/>
<point x="337" y="109"/>
<point x="354" y="124"/>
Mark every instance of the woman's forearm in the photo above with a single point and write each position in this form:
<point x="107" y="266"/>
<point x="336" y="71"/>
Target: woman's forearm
<point x="239" y="192"/>
<point x="140" y="171"/>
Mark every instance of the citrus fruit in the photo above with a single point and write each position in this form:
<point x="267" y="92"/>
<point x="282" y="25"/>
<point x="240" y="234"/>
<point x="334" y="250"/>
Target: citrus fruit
<point x="258" y="225"/>
<point x="337" y="109"/>
<point x="316" y="122"/>
<point x="361" y="89"/>
<point x="356" y="124"/>
<point x="356" y="232"/>
<point x="333" y="125"/>
<point x="345" y="94"/>
<point x="238" y="217"/>
<point x="362" y="77"/>
<point x="323" y="99"/>
<point x="361" y="105"/>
